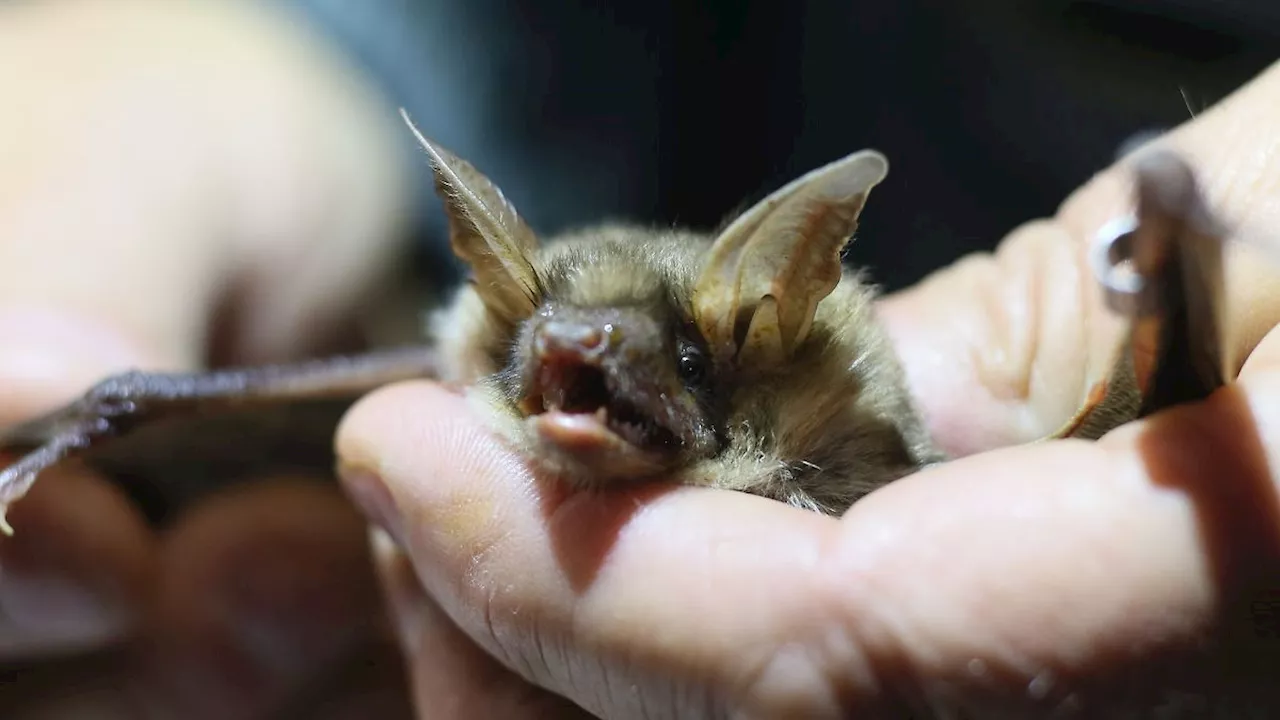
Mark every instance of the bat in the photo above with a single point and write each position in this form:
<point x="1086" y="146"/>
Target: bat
<point x="747" y="358"/>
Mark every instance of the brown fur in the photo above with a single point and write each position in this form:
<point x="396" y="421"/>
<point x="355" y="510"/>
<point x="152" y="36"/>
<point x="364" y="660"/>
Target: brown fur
<point x="832" y="424"/>
<point x="747" y="359"/>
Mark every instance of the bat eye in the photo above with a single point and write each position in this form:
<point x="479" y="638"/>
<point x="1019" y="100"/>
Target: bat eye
<point x="693" y="365"/>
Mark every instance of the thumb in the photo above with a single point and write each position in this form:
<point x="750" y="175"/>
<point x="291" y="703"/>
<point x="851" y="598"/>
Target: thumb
<point x="1002" y="348"/>
<point x="139" y="204"/>
<point x="159" y="159"/>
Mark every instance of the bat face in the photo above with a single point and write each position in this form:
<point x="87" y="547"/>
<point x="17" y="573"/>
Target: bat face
<point x="609" y="374"/>
<point x="746" y="359"/>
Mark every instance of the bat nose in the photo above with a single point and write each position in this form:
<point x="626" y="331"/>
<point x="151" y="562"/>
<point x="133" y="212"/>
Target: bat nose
<point x="577" y="340"/>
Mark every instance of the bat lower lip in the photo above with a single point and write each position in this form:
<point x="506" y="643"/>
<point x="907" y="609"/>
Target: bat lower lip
<point x="597" y="453"/>
<point x="578" y="431"/>
<point x="588" y="432"/>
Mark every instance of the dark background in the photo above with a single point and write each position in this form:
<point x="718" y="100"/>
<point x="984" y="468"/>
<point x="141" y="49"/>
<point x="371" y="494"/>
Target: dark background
<point x="990" y="111"/>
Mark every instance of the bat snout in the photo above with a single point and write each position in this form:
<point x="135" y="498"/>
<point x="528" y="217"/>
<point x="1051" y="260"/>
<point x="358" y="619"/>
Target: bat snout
<point x="566" y="366"/>
<point x="570" y="341"/>
<point x="581" y="383"/>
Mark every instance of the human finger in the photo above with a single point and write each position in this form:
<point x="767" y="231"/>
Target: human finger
<point x="266" y="607"/>
<point x="160" y="196"/>
<point x="1002" y="348"/>
<point x="139" y="204"/>
<point x="559" y="588"/>
<point x="79" y="575"/>
<point x="1091" y="572"/>
<point x="450" y="676"/>
<point x="267" y="603"/>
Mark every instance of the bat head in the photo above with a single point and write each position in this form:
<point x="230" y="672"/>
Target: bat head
<point x="612" y="377"/>
<point x="623" y="352"/>
<point x="583" y="340"/>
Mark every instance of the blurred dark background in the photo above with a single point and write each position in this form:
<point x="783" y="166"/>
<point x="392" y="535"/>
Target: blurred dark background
<point x="990" y="111"/>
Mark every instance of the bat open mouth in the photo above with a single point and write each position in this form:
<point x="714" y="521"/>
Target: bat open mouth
<point x="577" y="406"/>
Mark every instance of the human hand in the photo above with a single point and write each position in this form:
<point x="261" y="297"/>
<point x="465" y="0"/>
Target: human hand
<point x="1070" y="577"/>
<point x="169" y="169"/>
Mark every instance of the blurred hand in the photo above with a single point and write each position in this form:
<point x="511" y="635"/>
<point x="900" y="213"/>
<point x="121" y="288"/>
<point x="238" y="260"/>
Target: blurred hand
<point x="1067" y="577"/>
<point x="184" y="182"/>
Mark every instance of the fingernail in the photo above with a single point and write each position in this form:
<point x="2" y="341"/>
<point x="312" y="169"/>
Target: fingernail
<point x="49" y="596"/>
<point x="50" y="354"/>
<point x="49" y="602"/>
<point x="47" y="611"/>
<point x="371" y="495"/>
<point x="54" y="593"/>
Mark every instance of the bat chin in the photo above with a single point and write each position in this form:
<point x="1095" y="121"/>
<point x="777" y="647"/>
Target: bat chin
<point x="588" y="451"/>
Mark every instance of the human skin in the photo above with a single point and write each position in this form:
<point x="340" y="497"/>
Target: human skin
<point x="1021" y="578"/>
<point x="190" y="146"/>
<point x="160" y="157"/>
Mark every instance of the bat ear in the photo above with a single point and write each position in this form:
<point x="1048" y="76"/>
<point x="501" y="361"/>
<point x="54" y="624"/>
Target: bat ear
<point x="767" y="271"/>
<point x="486" y="232"/>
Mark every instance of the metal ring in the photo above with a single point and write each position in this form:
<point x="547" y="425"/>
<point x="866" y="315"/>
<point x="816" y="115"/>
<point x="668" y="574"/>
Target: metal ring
<point x="1125" y="292"/>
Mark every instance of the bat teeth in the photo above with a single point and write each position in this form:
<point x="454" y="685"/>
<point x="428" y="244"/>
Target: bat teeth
<point x="602" y="414"/>
<point x="552" y="389"/>
<point x="553" y="398"/>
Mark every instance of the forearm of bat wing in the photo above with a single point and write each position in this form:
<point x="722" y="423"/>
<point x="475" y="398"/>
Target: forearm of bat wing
<point x="311" y="379"/>
<point x="122" y="404"/>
